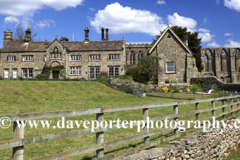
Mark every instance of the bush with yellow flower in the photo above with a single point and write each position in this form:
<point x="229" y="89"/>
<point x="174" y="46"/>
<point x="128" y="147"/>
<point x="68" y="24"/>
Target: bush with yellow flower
<point x="188" y="89"/>
<point x="165" y="89"/>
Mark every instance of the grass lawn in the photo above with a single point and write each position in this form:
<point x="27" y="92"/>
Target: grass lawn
<point x="46" y="96"/>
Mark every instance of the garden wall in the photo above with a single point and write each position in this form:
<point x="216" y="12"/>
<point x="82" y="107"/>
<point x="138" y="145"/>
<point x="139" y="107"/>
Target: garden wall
<point x="213" y="144"/>
<point x="221" y="85"/>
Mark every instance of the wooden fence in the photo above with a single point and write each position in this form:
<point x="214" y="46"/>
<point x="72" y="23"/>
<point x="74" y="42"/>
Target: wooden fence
<point x="18" y="142"/>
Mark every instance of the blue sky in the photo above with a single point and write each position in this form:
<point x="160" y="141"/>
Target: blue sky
<point x="217" y="21"/>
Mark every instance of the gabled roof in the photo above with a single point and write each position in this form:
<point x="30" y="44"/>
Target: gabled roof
<point x="18" y="45"/>
<point x="163" y="34"/>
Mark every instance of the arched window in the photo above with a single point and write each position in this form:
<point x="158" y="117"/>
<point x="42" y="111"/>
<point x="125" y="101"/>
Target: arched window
<point x="140" y="55"/>
<point x="132" y="58"/>
<point x="55" y="50"/>
<point x="221" y="68"/>
<point x="206" y="63"/>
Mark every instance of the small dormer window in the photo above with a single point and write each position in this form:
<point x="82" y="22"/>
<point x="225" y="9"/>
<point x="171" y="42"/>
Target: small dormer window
<point x="55" y="50"/>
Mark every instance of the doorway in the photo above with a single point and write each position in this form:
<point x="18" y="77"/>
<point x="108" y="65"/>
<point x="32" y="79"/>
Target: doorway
<point x="55" y="74"/>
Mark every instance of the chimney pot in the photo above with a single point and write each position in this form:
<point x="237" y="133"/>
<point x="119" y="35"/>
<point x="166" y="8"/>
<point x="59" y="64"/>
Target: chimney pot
<point x="107" y="34"/>
<point x="86" y="34"/>
<point x="102" y="34"/>
<point x="28" y="35"/>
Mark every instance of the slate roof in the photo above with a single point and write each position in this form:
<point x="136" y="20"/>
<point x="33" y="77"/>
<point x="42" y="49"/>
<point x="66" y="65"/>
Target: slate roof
<point x="18" y="45"/>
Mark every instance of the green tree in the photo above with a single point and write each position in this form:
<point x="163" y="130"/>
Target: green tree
<point x="149" y="67"/>
<point x="193" y="43"/>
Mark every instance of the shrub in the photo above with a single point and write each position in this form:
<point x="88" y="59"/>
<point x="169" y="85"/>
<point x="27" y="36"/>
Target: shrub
<point x="175" y="91"/>
<point x="130" y="90"/>
<point x="104" y="73"/>
<point x="125" y="77"/>
<point x="195" y="87"/>
<point x="166" y="80"/>
<point x="214" y="87"/>
<point x="165" y="89"/>
<point x="41" y="77"/>
<point x="103" y="79"/>
<point x="141" y="90"/>
<point x="133" y="71"/>
<point x="1" y="78"/>
<point x="20" y="78"/>
<point x="146" y="91"/>
<point x="188" y="89"/>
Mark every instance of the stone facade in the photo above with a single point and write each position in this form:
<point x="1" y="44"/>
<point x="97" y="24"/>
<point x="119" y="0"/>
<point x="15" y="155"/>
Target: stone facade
<point x="224" y="63"/>
<point x="169" y="49"/>
<point x="79" y="58"/>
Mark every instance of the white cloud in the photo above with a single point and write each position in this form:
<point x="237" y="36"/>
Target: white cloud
<point x="121" y="19"/>
<point x="26" y="7"/>
<point x="232" y="4"/>
<point x="203" y="30"/>
<point x="218" y="1"/>
<point x="11" y="19"/>
<point x="161" y="2"/>
<point x="228" y="34"/>
<point x="206" y="37"/>
<point x="177" y="20"/>
<point x="213" y="44"/>
<point x="92" y="9"/>
<point x="205" y="20"/>
<point x="45" y="23"/>
<point x="232" y="44"/>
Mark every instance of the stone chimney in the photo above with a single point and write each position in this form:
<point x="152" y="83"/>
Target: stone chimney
<point x="7" y="37"/>
<point x="102" y="34"/>
<point x="28" y="37"/>
<point x="185" y="40"/>
<point x="86" y="34"/>
<point x="107" y="34"/>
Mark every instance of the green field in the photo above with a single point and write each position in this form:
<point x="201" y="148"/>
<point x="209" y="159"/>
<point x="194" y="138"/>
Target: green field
<point x="46" y="96"/>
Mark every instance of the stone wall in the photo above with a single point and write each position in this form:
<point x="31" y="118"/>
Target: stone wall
<point x="213" y="144"/>
<point x="221" y="85"/>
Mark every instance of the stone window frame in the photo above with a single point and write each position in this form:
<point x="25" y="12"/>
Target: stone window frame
<point x="114" y="70"/>
<point x="14" y="69"/>
<point x="96" y="72"/>
<point x="27" y="58"/>
<point x="28" y="73"/>
<point x="166" y="67"/>
<point x="94" y="58"/>
<point x="75" y="70"/>
<point x="114" y="57"/>
<point x="56" y="55"/>
<point x="132" y="58"/>
<point x="11" y="59"/>
<point x="6" y="69"/>
<point x="75" y="57"/>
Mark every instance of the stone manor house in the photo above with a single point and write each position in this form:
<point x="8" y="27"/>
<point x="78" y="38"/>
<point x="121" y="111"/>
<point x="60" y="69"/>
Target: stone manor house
<point x="87" y="59"/>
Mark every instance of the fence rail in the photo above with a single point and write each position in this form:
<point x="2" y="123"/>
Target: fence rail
<point x="18" y="142"/>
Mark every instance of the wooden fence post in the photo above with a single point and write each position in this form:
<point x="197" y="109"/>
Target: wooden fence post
<point x="213" y="110"/>
<point x="146" y="129"/>
<point x="18" y="133"/>
<point x="231" y="107"/>
<point x="197" y="108"/>
<point x="223" y="109"/>
<point x="175" y="111"/>
<point x="99" y="135"/>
